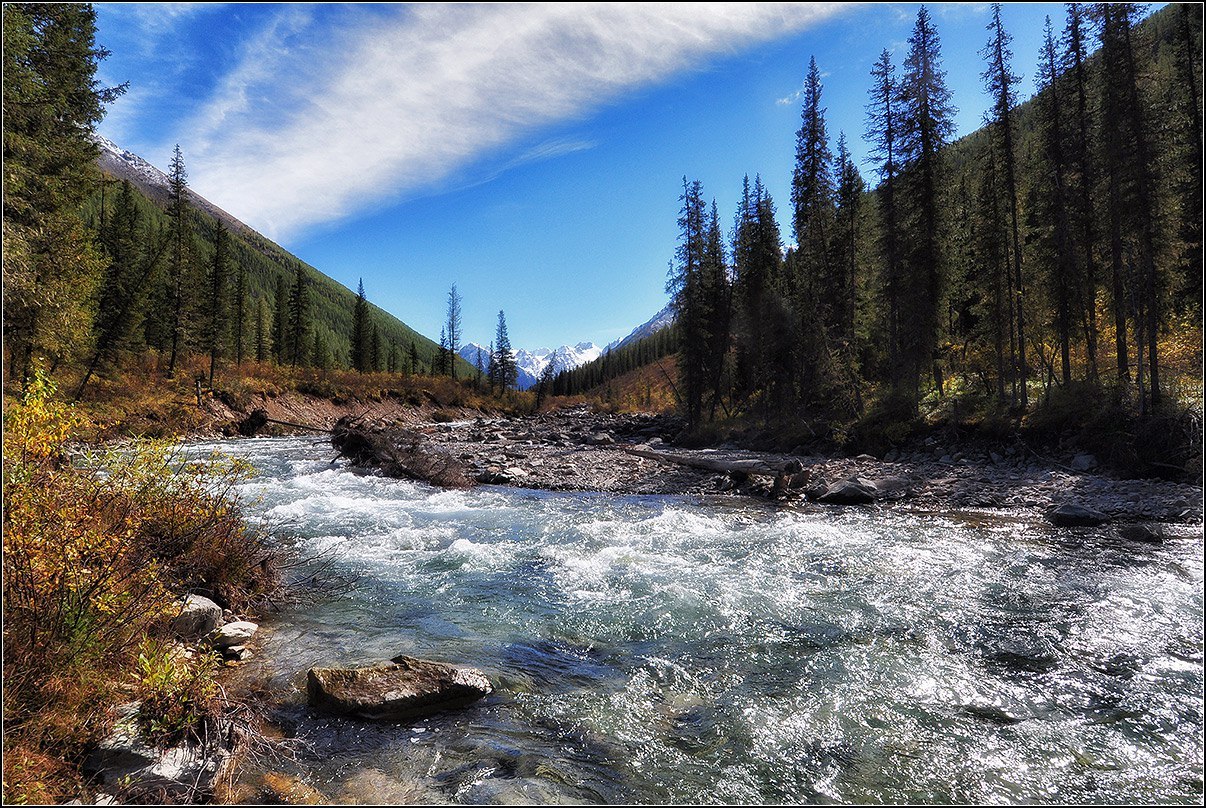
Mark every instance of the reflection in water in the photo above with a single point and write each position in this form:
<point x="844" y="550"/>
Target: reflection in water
<point x="657" y="649"/>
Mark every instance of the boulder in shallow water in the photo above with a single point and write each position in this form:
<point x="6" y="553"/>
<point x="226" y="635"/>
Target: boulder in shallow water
<point x="1072" y="515"/>
<point x="400" y="690"/>
<point x="1145" y="532"/>
<point x="855" y="491"/>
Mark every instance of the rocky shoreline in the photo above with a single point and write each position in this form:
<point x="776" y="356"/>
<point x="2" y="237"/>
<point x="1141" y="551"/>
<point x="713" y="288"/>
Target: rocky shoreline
<point x="575" y="449"/>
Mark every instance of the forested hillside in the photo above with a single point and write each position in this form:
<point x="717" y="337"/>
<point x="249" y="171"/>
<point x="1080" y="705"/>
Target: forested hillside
<point x="105" y="268"/>
<point x="266" y="269"/>
<point x="1046" y="267"/>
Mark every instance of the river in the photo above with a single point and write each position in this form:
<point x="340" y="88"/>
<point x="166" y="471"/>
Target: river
<point x="671" y="650"/>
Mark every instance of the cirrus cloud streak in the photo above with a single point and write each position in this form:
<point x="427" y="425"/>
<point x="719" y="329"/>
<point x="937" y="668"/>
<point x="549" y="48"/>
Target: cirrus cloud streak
<point x="298" y="135"/>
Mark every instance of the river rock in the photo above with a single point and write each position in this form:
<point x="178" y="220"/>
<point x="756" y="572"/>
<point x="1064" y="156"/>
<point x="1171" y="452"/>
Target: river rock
<point x="855" y="491"/>
<point x="236" y="633"/>
<point x="199" y="617"/>
<point x="600" y="439"/>
<point x="237" y="653"/>
<point x="402" y="689"/>
<point x="1072" y="515"/>
<point x="1144" y="532"/>
<point x="798" y="480"/>
<point x="127" y="759"/>
<point x="1084" y="462"/>
<point x="891" y="486"/>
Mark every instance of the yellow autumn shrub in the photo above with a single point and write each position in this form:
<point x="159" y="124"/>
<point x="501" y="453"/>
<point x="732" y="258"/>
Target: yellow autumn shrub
<point x="99" y="548"/>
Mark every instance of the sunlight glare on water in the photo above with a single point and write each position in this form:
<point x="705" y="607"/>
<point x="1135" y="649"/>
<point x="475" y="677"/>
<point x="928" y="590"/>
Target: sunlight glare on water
<point x="661" y="649"/>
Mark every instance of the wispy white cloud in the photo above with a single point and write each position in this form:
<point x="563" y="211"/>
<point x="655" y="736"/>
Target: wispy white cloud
<point x="298" y="134"/>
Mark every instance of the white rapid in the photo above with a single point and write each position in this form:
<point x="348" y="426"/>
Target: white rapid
<point x="655" y="649"/>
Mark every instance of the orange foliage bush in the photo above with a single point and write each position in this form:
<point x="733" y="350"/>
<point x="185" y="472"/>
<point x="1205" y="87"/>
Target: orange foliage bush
<point x="98" y="548"/>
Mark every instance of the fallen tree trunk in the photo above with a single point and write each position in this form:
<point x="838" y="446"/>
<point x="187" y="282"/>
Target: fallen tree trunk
<point x="254" y="422"/>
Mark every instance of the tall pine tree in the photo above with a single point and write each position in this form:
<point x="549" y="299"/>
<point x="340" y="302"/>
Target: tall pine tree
<point x="52" y="103"/>
<point x="503" y="371"/>
<point x="926" y="124"/>
<point x="452" y="325"/>
<point x="999" y="80"/>
<point x="360" y="331"/>
<point x="216" y="308"/>
<point x="298" y="338"/>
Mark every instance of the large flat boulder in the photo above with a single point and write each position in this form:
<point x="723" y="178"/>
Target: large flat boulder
<point x="403" y="689"/>
<point x="237" y="633"/>
<point x="855" y="491"/>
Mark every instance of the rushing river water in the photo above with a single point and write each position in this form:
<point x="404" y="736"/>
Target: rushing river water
<point x="662" y="649"/>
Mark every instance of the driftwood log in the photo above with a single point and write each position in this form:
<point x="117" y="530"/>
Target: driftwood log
<point x="789" y="477"/>
<point x="734" y="467"/>
<point x="397" y="453"/>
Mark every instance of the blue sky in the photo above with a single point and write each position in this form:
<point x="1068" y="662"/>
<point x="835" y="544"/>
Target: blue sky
<point x="532" y="154"/>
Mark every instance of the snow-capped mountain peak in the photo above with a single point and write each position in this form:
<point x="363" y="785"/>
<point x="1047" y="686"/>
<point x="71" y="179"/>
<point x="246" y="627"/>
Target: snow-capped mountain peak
<point x="532" y="363"/>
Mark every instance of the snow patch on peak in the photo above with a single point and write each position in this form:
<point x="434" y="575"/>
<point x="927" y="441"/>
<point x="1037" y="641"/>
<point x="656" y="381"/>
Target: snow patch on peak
<point x="138" y="166"/>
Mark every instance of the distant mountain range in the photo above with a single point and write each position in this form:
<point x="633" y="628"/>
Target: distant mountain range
<point x="531" y="364"/>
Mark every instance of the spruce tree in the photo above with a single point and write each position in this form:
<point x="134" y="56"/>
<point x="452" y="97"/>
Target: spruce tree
<point x="179" y="256"/>
<point x="262" y="348"/>
<point x="1054" y="202"/>
<point x="849" y="196"/>
<point x="360" y="330"/>
<point x="1082" y="177"/>
<point x="299" y="318"/>
<point x="453" y="326"/>
<point x="280" y="321"/>
<point x="926" y="124"/>
<point x="688" y="295"/>
<point x="216" y="315"/>
<point x="717" y="292"/>
<point x="125" y="287"/>
<point x="1186" y="92"/>
<point x="502" y="361"/>
<point x="883" y="133"/>
<point x="239" y="322"/>
<point x="442" y="357"/>
<point x="1000" y="80"/>
<point x="991" y="245"/>
<point x="812" y="194"/>
<point x="1131" y="199"/>
<point x="480" y="363"/>
<point x="52" y="103"/>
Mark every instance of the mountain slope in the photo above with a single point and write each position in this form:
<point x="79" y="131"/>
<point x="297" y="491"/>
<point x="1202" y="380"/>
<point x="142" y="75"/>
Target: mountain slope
<point x="265" y="261"/>
<point x="656" y="323"/>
